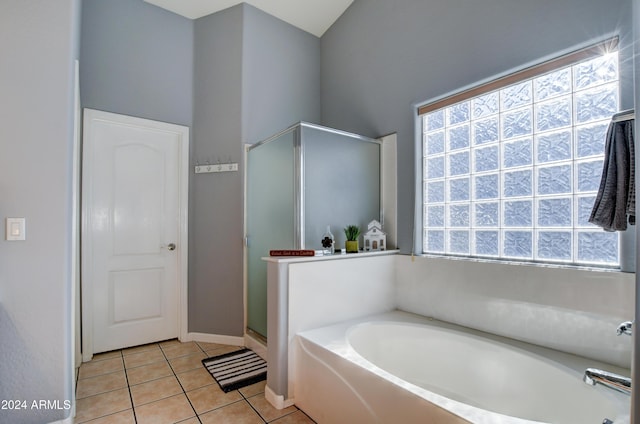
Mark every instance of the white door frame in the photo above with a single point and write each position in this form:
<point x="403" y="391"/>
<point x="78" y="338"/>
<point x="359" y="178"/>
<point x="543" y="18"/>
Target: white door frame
<point x="182" y="241"/>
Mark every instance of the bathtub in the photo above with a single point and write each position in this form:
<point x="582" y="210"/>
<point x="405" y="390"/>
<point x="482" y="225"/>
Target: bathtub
<point x="400" y="367"/>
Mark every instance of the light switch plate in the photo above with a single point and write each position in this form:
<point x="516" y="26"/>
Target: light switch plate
<point x="15" y="229"/>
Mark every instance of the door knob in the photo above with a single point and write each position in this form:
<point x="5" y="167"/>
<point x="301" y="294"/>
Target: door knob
<point x="170" y="246"/>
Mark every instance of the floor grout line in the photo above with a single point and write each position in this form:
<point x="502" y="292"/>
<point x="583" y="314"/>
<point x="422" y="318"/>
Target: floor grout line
<point x="180" y="384"/>
<point x="201" y="350"/>
<point x="126" y="376"/>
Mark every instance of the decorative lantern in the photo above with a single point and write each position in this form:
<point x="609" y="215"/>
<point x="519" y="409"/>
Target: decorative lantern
<point x="374" y="239"/>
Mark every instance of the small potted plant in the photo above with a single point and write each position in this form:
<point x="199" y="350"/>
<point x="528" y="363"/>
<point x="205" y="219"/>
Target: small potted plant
<point x="352" y="232"/>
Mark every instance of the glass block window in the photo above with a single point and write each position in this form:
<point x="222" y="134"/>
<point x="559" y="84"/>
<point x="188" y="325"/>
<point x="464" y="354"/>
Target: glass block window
<point x="513" y="173"/>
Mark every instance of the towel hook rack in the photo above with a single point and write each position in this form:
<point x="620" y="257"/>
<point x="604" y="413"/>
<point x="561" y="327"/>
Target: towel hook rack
<point x="208" y="167"/>
<point x="625" y="115"/>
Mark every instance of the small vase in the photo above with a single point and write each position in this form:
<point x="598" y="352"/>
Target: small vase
<point x="328" y="242"/>
<point x="352" y="246"/>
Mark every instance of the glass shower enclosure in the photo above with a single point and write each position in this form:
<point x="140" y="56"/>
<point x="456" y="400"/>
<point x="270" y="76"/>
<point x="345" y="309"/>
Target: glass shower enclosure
<point x="300" y="181"/>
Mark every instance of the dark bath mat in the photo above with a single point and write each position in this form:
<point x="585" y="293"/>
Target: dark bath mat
<point x="236" y="369"/>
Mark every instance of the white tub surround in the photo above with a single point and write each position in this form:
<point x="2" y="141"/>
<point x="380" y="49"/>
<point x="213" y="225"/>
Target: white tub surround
<point x="569" y="309"/>
<point x="400" y="367"/>
<point x="306" y="293"/>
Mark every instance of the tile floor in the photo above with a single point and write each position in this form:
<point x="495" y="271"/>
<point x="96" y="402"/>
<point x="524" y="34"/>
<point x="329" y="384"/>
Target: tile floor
<point x="166" y="383"/>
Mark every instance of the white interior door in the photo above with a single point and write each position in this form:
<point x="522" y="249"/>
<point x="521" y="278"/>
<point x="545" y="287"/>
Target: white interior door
<point x="134" y="230"/>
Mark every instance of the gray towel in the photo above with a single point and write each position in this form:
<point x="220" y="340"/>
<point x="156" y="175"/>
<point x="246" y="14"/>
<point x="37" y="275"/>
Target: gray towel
<point x="616" y="197"/>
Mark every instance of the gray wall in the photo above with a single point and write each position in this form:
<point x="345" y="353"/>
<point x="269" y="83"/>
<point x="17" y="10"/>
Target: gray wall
<point x="381" y="58"/>
<point x="215" y="250"/>
<point x="38" y="41"/>
<point x="234" y="77"/>
<point x="281" y="72"/>
<point x="254" y="76"/>
<point x="136" y="59"/>
<point x="635" y="364"/>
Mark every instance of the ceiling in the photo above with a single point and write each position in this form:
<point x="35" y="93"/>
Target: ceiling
<point x="314" y="16"/>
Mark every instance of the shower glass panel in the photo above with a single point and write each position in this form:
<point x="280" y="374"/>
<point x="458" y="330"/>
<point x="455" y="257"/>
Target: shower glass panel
<point x="270" y="217"/>
<point x="341" y="184"/>
<point x="300" y="181"/>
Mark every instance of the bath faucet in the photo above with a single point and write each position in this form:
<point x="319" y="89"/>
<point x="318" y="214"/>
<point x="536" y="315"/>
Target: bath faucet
<point x="593" y="376"/>
<point x="625" y="328"/>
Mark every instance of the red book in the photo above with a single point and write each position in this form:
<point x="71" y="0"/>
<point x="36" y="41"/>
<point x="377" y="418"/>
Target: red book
<point x="292" y="252"/>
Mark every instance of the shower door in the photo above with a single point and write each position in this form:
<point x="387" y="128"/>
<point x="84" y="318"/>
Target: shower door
<point x="300" y="181"/>
<point x="270" y="217"/>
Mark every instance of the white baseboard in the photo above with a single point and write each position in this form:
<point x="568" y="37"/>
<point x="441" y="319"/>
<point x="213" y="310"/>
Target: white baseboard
<point x="214" y="338"/>
<point x="256" y="345"/>
<point x="277" y="401"/>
